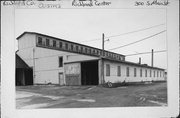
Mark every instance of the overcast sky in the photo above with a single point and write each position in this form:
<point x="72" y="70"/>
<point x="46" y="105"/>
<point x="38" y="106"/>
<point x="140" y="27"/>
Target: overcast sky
<point x="82" y="25"/>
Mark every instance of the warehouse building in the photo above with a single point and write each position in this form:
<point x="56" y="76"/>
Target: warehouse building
<point x="43" y="59"/>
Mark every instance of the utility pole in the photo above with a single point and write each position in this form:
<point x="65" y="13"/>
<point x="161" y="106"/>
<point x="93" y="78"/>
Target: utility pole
<point x="152" y="58"/>
<point x="102" y="67"/>
<point x="103" y="43"/>
<point x="33" y="65"/>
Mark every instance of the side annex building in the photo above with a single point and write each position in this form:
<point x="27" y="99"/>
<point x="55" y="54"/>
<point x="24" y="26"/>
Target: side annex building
<point x="43" y="59"/>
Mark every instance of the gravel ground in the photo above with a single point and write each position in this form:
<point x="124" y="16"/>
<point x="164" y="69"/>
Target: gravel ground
<point x="30" y="97"/>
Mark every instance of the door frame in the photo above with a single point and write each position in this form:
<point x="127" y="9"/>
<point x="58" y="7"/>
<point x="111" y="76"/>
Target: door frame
<point x="59" y="79"/>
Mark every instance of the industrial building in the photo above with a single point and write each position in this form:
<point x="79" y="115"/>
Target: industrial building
<point x="43" y="59"/>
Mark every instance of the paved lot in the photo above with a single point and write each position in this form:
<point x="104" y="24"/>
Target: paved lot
<point x="28" y="97"/>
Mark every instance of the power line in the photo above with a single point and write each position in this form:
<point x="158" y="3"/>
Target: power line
<point x="137" y="41"/>
<point x="146" y="53"/>
<point x="124" y="33"/>
<point x="134" y="31"/>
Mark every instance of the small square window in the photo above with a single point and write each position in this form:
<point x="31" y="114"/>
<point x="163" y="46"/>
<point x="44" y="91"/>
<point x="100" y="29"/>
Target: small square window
<point x="107" y="70"/>
<point x="89" y="51"/>
<point x="134" y="72"/>
<point x="119" y="71"/>
<point x="120" y="58"/>
<point x="39" y="40"/>
<point x="72" y="47"/>
<point x="140" y="72"/>
<point x="94" y="51"/>
<point x="60" y="61"/>
<point x="81" y="50"/>
<point x="98" y="52"/>
<point x="127" y="71"/>
<point x="160" y="73"/>
<point x="66" y="46"/>
<point x="60" y="44"/>
<point x="106" y="54"/>
<point x="85" y="50"/>
<point x="77" y="48"/>
<point x="145" y="73"/>
<point x="47" y="42"/>
<point x="54" y="43"/>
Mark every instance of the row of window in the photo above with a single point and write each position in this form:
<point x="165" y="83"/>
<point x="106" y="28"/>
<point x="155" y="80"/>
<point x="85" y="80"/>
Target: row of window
<point x="155" y="73"/>
<point x="77" y="48"/>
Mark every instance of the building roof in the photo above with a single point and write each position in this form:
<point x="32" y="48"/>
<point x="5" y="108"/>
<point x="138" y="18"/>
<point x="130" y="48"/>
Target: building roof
<point x="20" y="63"/>
<point x="63" y="40"/>
<point x="135" y="64"/>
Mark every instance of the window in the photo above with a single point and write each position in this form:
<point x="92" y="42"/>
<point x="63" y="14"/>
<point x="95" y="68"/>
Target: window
<point x="60" y="61"/>
<point x="107" y="70"/>
<point x="98" y="52"/>
<point x="60" y="44"/>
<point x="39" y="40"/>
<point x="101" y="53"/>
<point x="119" y="71"/>
<point x="93" y="51"/>
<point x="111" y="55"/>
<point x="54" y="43"/>
<point x="127" y="71"/>
<point x="157" y="73"/>
<point x="154" y="73"/>
<point x="81" y="49"/>
<point x="145" y="73"/>
<point x="71" y="47"/>
<point x="134" y="72"/>
<point x="140" y="72"/>
<point x="106" y="54"/>
<point x="119" y="58"/>
<point x="66" y="46"/>
<point x="160" y="73"/>
<point x="47" y="42"/>
<point x="76" y="48"/>
<point x="114" y="56"/>
<point x="85" y="50"/>
<point x="89" y="51"/>
<point x="150" y="73"/>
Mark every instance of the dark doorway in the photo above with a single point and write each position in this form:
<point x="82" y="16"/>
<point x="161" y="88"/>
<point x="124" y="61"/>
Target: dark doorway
<point x="89" y="73"/>
<point x="29" y="77"/>
<point x="24" y="77"/>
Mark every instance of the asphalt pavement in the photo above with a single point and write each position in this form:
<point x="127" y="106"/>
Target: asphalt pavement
<point x="33" y="97"/>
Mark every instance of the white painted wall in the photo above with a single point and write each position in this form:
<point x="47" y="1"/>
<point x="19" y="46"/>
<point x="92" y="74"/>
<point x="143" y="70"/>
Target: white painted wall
<point x="114" y="78"/>
<point x="25" y="48"/>
<point x="26" y="41"/>
<point x="47" y="64"/>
